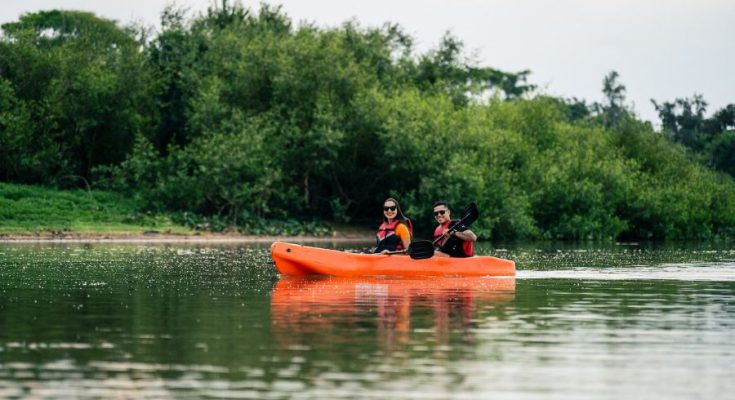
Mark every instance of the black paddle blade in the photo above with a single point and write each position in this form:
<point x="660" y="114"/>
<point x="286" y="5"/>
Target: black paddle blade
<point x="470" y="215"/>
<point x="421" y="249"/>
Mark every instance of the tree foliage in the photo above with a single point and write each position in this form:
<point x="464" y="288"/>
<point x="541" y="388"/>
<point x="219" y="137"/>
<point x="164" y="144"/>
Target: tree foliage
<point x="82" y="86"/>
<point x="684" y="121"/>
<point x="240" y="115"/>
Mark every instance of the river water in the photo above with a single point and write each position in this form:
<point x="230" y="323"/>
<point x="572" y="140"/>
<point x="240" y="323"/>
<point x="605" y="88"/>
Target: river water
<point x="216" y="321"/>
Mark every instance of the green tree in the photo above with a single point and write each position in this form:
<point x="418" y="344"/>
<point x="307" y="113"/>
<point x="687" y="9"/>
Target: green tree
<point x="721" y="152"/>
<point x="613" y="110"/>
<point x="684" y="121"/>
<point x="446" y="69"/>
<point x="85" y="84"/>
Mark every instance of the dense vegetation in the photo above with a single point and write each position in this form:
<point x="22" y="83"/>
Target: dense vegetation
<point x="239" y="116"/>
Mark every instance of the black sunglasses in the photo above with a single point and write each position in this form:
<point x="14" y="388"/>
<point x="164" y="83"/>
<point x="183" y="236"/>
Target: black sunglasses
<point x="440" y="212"/>
<point x="391" y="208"/>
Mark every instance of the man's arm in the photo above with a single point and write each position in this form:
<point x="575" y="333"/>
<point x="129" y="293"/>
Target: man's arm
<point x="466" y="235"/>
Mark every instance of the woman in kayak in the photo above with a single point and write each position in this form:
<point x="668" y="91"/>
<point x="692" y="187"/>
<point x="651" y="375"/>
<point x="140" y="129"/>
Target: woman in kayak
<point x="394" y="234"/>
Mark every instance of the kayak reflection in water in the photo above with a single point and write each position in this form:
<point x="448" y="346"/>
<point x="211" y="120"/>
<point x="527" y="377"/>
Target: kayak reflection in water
<point x="394" y="234"/>
<point x="395" y="310"/>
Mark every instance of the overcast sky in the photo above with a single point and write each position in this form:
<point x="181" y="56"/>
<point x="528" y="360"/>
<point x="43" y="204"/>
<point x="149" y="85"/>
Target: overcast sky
<point x="662" y="49"/>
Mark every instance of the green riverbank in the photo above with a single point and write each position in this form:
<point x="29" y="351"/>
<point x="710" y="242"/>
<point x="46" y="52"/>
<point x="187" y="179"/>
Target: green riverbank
<point x="33" y="210"/>
<point x="29" y="212"/>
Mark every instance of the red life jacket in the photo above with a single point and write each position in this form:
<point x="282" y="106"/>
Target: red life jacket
<point x="453" y="246"/>
<point x="387" y="238"/>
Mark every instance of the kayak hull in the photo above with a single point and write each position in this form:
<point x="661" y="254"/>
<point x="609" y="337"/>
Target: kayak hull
<point x="294" y="259"/>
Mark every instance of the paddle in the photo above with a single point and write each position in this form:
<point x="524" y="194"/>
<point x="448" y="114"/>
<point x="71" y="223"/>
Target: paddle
<point x="423" y="249"/>
<point x="418" y="250"/>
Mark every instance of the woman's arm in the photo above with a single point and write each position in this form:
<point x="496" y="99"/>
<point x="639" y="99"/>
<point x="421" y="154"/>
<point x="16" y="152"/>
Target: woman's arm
<point x="404" y="234"/>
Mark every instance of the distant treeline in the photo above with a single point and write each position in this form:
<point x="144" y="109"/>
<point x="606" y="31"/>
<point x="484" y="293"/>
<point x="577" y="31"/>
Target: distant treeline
<point x="239" y="115"/>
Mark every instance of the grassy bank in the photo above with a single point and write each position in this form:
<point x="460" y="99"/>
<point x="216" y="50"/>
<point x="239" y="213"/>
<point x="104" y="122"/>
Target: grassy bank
<point x="26" y="209"/>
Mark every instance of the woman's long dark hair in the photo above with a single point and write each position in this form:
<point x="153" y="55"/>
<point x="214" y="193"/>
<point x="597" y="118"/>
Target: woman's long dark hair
<point x="399" y="214"/>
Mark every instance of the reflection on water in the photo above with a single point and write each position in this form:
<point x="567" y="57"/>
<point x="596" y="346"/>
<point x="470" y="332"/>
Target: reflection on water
<point x="207" y="321"/>
<point x="394" y="308"/>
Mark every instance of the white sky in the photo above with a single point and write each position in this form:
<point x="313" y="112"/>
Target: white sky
<point x="662" y="49"/>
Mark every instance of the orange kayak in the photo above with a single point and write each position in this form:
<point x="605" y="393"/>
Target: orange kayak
<point x="294" y="259"/>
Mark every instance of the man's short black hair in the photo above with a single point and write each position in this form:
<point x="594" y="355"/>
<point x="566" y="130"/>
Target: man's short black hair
<point x="440" y="203"/>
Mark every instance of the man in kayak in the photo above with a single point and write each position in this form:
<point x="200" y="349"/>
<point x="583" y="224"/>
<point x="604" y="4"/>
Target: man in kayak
<point x="453" y="240"/>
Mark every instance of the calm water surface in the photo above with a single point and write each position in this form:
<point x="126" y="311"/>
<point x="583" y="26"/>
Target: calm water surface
<point x="215" y="321"/>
